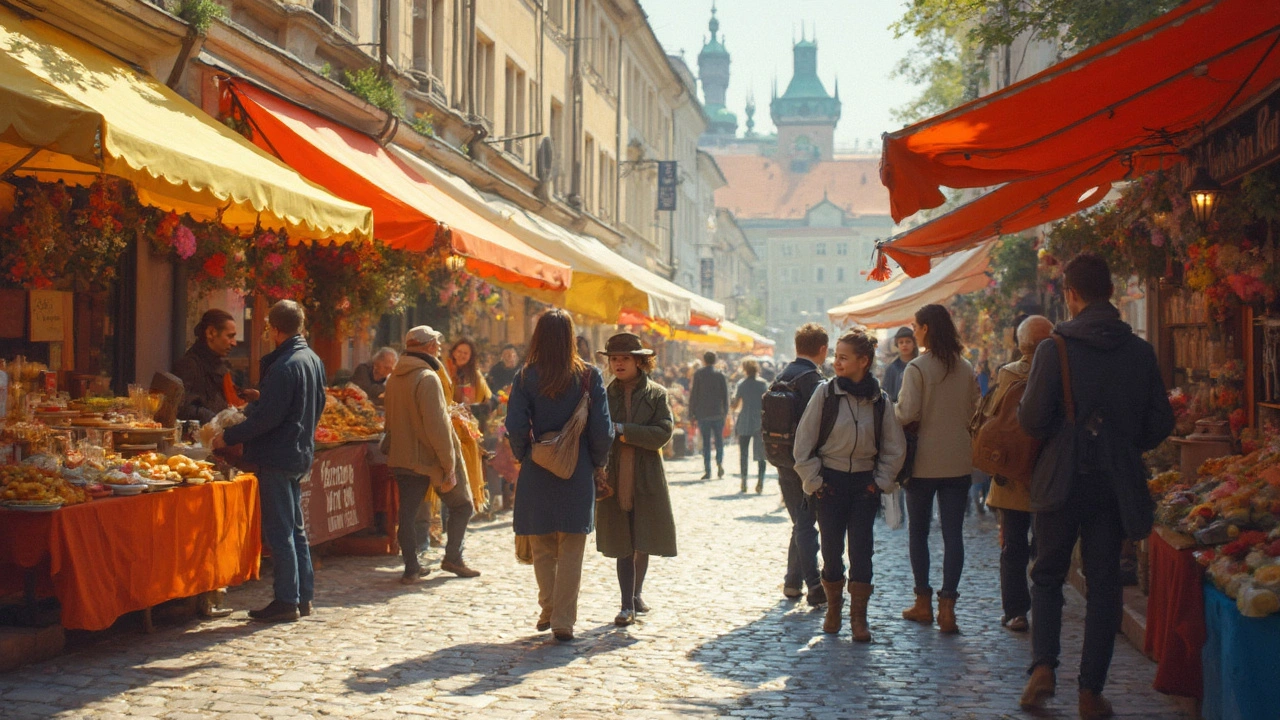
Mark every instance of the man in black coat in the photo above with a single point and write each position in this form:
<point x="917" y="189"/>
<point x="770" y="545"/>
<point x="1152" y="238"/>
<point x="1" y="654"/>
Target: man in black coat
<point x="805" y="372"/>
<point x="1090" y="480"/>
<point x="709" y="405"/>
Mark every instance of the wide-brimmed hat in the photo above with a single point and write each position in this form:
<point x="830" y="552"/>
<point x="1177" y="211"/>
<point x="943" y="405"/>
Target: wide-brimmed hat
<point x="624" y="344"/>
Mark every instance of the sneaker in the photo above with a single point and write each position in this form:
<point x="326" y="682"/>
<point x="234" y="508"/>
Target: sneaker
<point x="277" y="611"/>
<point x="460" y="569"/>
<point x="412" y="576"/>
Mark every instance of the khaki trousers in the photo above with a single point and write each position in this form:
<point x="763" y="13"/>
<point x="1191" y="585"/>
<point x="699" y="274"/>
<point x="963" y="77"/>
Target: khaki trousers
<point x="557" y="563"/>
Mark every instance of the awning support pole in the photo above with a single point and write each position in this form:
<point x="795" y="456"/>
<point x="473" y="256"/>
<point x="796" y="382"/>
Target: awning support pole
<point x="14" y="167"/>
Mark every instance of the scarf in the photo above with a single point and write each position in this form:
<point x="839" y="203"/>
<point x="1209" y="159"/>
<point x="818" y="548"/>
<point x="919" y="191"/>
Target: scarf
<point x="627" y="453"/>
<point x="867" y="388"/>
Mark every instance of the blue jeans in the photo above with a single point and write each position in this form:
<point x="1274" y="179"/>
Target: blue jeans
<point x="802" y="552"/>
<point x="712" y="429"/>
<point x="284" y="531"/>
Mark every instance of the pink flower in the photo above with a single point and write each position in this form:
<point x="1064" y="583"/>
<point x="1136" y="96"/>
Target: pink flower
<point x="184" y="242"/>
<point x="275" y="260"/>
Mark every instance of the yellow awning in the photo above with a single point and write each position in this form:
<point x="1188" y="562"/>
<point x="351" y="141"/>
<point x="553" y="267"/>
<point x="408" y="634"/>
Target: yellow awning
<point x="83" y="112"/>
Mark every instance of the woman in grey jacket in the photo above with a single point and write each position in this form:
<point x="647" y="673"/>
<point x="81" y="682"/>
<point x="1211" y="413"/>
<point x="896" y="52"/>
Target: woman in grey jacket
<point x="844" y="467"/>
<point x="939" y="395"/>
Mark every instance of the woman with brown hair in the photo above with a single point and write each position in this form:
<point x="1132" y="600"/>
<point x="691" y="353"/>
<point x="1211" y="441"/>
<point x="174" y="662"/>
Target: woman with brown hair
<point x="635" y="519"/>
<point x="845" y="460"/>
<point x="469" y="385"/>
<point x="939" y="394"/>
<point x="557" y="514"/>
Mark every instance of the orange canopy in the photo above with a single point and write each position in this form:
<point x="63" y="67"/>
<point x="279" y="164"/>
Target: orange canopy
<point x="1116" y="110"/>
<point x="407" y="209"/>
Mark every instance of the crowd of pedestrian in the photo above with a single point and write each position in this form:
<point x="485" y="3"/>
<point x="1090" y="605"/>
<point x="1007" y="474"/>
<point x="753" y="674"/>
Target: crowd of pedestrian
<point x="1075" y="408"/>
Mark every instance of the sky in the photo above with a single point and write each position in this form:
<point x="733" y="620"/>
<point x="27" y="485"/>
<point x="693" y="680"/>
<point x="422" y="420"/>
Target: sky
<point x="854" y="43"/>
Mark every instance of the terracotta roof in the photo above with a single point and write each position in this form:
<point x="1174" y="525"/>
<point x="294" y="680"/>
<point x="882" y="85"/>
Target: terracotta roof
<point x="760" y="188"/>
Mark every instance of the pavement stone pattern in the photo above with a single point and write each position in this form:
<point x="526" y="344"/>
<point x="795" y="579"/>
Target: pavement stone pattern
<point x="721" y="641"/>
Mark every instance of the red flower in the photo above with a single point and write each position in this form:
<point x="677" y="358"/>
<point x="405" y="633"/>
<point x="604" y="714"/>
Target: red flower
<point x="216" y="265"/>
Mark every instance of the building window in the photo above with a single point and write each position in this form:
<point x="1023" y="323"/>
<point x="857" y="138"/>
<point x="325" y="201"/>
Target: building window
<point x="555" y="11"/>
<point x="820" y="249"/>
<point x="516" y="110"/>
<point x="839" y="274"/>
<point x="421" y="29"/>
<point x="347" y="15"/>
<point x="787" y="250"/>
<point x="437" y="38"/>
<point x="555" y="129"/>
<point x="588" y="174"/>
<point x="484" y="77"/>
<point x="842" y="248"/>
<point x="818" y="275"/>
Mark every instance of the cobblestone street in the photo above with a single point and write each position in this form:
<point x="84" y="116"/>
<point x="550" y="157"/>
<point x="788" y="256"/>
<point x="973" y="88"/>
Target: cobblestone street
<point x="720" y="641"/>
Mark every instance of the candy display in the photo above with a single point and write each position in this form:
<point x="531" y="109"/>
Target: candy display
<point x="348" y="415"/>
<point x="29" y="485"/>
<point x="1232" y="510"/>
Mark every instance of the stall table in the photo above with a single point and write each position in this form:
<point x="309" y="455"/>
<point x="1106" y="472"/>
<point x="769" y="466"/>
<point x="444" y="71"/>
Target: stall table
<point x="113" y="556"/>
<point x="1241" y="662"/>
<point x="1175" y="614"/>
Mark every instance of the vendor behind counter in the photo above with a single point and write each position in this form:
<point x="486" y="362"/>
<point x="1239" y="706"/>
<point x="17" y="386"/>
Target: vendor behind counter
<point x="205" y="373"/>
<point x="371" y="377"/>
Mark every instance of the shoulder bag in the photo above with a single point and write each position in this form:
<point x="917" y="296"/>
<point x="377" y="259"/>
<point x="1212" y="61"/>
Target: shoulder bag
<point x="557" y="451"/>
<point x="1055" y="469"/>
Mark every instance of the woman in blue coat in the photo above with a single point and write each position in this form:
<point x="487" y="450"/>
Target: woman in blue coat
<point x="557" y="514"/>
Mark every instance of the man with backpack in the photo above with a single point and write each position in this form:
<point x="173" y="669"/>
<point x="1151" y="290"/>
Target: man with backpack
<point x="1096" y="398"/>
<point x="783" y="405"/>
<point x="1011" y="492"/>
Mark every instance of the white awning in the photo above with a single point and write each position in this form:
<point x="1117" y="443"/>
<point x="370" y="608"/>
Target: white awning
<point x="896" y="302"/>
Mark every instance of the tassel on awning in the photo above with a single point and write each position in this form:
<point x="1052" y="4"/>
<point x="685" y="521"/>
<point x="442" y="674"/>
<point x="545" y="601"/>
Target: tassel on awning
<point x="881" y="271"/>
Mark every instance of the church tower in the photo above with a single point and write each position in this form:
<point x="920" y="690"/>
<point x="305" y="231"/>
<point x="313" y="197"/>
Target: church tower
<point x="713" y="72"/>
<point x="805" y="114"/>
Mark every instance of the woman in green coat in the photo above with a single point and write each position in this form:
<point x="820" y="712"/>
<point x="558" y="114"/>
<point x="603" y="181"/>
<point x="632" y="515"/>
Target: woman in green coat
<point x="634" y="520"/>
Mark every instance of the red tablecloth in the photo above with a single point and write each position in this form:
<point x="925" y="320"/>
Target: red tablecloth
<point x="109" y="557"/>
<point x="1175" y="619"/>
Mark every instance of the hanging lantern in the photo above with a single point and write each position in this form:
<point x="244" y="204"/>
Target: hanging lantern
<point x="455" y="263"/>
<point x="1204" y="193"/>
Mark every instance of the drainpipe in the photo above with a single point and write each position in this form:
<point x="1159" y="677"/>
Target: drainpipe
<point x="472" y="84"/>
<point x="575" y="182"/>
<point x="191" y="45"/>
<point x="384" y="37"/>
<point x="617" y="149"/>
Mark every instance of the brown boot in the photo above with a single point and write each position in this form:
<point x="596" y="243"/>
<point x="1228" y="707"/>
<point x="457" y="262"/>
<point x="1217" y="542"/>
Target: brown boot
<point x="1040" y="687"/>
<point x="835" y="603"/>
<point x="922" y="611"/>
<point x="947" y="615"/>
<point x="859" y="594"/>
<point x="1093" y="706"/>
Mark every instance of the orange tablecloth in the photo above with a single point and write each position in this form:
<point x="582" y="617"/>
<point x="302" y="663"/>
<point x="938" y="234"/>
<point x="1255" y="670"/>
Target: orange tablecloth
<point x="117" y="555"/>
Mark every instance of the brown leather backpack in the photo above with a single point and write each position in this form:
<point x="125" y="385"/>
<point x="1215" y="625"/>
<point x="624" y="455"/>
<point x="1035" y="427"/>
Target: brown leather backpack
<point x="1000" y="446"/>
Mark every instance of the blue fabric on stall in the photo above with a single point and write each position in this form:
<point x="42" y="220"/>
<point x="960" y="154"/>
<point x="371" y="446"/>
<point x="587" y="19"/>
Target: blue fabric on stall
<point x="1241" y="662"/>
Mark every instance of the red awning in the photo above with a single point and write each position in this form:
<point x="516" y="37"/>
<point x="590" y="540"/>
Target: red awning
<point x="407" y="209"/>
<point x="1116" y="110"/>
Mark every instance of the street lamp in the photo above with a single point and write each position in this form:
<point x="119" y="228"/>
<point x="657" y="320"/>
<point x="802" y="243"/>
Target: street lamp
<point x="1204" y="193"/>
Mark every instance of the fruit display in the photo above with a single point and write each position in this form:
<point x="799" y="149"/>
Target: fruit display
<point x="34" y="485"/>
<point x="175" y="468"/>
<point x="348" y="415"/>
<point x="1232" y="509"/>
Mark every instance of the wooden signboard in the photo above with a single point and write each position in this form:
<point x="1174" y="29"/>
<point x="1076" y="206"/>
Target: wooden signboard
<point x="336" y="495"/>
<point x="48" y="315"/>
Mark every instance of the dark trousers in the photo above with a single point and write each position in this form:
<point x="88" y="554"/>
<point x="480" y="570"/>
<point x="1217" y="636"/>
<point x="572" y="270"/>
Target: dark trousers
<point x="848" y="506"/>
<point x="1015" y="554"/>
<point x="284" y="530"/>
<point x="1094" y="518"/>
<point x="413" y="489"/>
<point x="953" y="496"/>
<point x="802" y="552"/>
<point x="712" y="430"/>
<point x="744" y="451"/>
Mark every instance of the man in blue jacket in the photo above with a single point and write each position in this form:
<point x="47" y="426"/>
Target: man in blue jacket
<point x="1090" y="481"/>
<point x="279" y="440"/>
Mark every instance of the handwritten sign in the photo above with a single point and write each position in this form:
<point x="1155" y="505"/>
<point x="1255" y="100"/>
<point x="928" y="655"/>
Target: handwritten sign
<point x="336" y="496"/>
<point x="48" y="315"/>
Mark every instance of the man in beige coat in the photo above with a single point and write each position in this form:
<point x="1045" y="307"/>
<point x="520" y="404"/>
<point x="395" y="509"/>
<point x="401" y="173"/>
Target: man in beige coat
<point x="423" y="451"/>
<point x="1012" y="498"/>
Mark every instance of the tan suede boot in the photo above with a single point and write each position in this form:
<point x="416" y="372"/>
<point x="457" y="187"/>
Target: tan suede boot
<point x="947" y="615"/>
<point x="1040" y="687"/>
<point x="1093" y="706"/>
<point x="922" y="611"/>
<point x="835" y="604"/>
<point x="859" y="594"/>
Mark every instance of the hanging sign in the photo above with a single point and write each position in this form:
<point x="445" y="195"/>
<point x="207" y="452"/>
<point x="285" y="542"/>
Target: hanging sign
<point x="48" y="315"/>
<point x="668" y="179"/>
<point x="1247" y="143"/>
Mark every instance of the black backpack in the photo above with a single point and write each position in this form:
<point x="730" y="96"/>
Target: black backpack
<point x="780" y="412"/>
